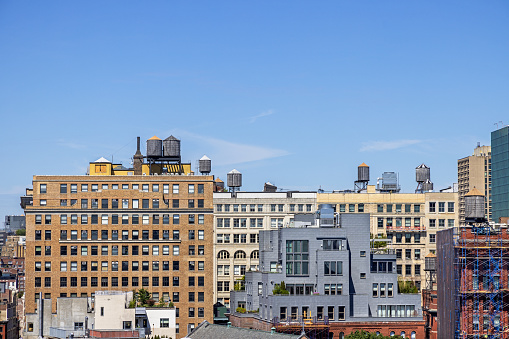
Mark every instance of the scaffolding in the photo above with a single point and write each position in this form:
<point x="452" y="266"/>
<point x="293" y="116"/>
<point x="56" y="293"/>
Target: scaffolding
<point x="315" y="328"/>
<point x="481" y="282"/>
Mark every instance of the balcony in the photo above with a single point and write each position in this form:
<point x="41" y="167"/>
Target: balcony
<point x="406" y="228"/>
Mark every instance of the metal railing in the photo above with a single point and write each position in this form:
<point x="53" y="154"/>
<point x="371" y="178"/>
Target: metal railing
<point x="66" y="332"/>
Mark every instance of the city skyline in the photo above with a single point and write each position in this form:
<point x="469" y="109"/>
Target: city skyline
<point x="295" y="94"/>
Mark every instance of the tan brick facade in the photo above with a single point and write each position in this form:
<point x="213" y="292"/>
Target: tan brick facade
<point x="124" y="238"/>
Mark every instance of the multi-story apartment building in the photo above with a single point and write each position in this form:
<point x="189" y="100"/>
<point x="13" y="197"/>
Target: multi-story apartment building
<point x="410" y="220"/>
<point x="500" y="173"/>
<point x="475" y="171"/>
<point x="335" y="283"/>
<point x="238" y="219"/>
<point x="472" y="275"/>
<point x="123" y="229"/>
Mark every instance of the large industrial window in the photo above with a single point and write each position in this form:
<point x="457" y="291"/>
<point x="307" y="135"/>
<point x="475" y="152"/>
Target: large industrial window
<point x="297" y="257"/>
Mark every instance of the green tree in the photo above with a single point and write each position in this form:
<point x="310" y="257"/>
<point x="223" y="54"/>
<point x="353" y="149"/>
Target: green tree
<point x="142" y="296"/>
<point x="280" y="289"/>
<point x="161" y="303"/>
<point x="407" y="286"/>
<point x="21" y="231"/>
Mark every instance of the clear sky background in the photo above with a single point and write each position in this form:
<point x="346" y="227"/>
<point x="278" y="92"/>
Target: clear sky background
<point x="298" y="93"/>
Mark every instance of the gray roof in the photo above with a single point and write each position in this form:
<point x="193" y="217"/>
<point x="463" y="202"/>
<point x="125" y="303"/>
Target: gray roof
<point x="212" y="331"/>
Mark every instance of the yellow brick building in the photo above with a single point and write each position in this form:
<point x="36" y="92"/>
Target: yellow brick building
<point x="123" y="229"/>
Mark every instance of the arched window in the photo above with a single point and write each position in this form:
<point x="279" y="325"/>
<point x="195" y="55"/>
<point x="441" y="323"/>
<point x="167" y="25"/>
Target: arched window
<point x="331" y="335"/>
<point x="223" y="255"/>
<point x="392" y="334"/>
<point x="240" y="255"/>
<point x="412" y="335"/>
<point x="341" y="335"/>
<point x="403" y="334"/>
<point x="255" y="254"/>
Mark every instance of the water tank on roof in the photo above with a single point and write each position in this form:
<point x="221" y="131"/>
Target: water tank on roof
<point x="234" y="178"/>
<point x="171" y="147"/>
<point x="205" y="165"/>
<point x="430" y="263"/>
<point x="363" y="172"/>
<point x="427" y="186"/>
<point x="154" y="147"/>
<point x="474" y="206"/>
<point x="422" y="173"/>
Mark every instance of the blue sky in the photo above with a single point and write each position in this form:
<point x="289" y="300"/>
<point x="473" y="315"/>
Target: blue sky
<point x="298" y="93"/>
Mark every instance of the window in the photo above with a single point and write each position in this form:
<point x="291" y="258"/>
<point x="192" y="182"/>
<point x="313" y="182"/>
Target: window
<point x="191" y="188"/>
<point x="441" y="207"/>
<point x="450" y="223"/>
<point x="201" y="234"/>
<point x="164" y="322"/>
<point x="175" y="189"/>
<point x="351" y="208"/>
<point x="432" y="222"/>
<point x="297" y="257"/>
<point x="333" y="267"/>
<point x="341" y="312"/>
<point x="450" y="207"/>
<point x="63" y="188"/>
<point x="441" y="222"/>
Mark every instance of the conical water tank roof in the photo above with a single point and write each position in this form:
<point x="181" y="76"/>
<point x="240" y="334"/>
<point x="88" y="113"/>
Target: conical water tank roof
<point x="205" y="164"/>
<point x="154" y="147"/>
<point x="363" y="172"/>
<point x="171" y="147"/>
<point x="234" y="178"/>
<point x="422" y="173"/>
<point x="474" y="205"/>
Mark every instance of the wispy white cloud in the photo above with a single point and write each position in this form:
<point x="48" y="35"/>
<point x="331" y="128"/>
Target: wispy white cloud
<point x="223" y="152"/>
<point x="387" y="145"/>
<point x="70" y="144"/>
<point x="261" y="115"/>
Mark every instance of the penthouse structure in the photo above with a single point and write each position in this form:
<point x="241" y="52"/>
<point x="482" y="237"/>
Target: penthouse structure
<point x="238" y="219"/>
<point x="323" y="276"/>
<point x="122" y="229"/>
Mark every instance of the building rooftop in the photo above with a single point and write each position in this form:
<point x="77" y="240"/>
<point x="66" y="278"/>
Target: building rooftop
<point x="211" y="331"/>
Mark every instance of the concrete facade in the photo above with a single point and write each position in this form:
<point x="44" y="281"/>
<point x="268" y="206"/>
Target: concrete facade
<point x="409" y="220"/>
<point x="238" y="219"/>
<point x="362" y="286"/>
